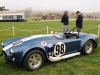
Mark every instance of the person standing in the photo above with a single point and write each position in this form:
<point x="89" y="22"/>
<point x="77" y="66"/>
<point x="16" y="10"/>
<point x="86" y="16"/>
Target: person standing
<point x="79" y="21"/>
<point x="65" y="21"/>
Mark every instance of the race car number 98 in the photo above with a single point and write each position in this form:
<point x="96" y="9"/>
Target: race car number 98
<point x="59" y="49"/>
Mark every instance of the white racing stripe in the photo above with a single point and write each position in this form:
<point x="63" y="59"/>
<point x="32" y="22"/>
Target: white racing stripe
<point x="35" y="36"/>
<point x="25" y="39"/>
<point x="7" y="47"/>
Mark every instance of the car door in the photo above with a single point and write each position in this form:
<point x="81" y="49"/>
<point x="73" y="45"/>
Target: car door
<point x="66" y="46"/>
<point x="72" y="45"/>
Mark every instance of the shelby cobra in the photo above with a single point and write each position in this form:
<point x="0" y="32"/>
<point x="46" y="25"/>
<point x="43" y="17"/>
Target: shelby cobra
<point x="34" y="50"/>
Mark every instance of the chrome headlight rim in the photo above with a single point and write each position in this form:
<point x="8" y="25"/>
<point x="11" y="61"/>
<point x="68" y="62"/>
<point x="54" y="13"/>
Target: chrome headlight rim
<point x="2" y="45"/>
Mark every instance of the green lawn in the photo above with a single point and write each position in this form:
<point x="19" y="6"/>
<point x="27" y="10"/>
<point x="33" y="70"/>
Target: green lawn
<point x="79" y="65"/>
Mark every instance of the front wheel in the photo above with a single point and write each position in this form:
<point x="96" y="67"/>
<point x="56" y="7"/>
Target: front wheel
<point x="88" y="48"/>
<point x="34" y="60"/>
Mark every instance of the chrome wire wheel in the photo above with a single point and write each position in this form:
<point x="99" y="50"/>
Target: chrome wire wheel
<point x="89" y="47"/>
<point x="35" y="60"/>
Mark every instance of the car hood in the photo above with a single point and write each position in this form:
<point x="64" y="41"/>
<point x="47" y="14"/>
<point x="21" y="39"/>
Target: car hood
<point x="34" y="38"/>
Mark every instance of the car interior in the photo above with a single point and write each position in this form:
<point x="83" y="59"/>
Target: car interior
<point x="71" y="34"/>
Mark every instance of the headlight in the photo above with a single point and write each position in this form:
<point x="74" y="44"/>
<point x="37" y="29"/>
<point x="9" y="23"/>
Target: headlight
<point x="11" y="52"/>
<point x="2" y="45"/>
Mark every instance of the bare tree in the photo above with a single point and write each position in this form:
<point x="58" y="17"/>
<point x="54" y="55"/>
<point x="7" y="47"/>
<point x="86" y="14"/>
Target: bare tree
<point x="3" y="8"/>
<point x="28" y="12"/>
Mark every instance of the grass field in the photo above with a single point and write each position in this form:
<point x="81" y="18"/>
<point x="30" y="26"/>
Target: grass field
<point x="80" y="65"/>
<point x="33" y="18"/>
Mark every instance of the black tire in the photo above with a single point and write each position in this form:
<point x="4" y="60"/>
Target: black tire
<point x="88" y="48"/>
<point x="34" y="60"/>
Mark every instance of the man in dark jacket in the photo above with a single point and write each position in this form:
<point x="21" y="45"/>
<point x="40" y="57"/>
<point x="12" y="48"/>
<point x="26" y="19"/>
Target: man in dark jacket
<point x="79" y="21"/>
<point x="65" y="21"/>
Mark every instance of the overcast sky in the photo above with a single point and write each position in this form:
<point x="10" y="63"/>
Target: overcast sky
<point x="71" y="5"/>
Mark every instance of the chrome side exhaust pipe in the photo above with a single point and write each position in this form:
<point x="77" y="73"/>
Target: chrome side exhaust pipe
<point x="53" y="59"/>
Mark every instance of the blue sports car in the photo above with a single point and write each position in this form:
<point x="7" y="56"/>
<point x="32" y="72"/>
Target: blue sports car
<point x="34" y="50"/>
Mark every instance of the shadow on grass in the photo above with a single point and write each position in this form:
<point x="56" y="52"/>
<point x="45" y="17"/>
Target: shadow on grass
<point x="48" y="64"/>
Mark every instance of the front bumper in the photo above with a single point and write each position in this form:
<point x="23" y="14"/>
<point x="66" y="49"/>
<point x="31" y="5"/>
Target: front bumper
<point x="7" y="58"/>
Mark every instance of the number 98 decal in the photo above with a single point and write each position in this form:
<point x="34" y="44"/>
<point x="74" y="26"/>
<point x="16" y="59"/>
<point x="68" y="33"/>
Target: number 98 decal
<point x="59" y="49"/>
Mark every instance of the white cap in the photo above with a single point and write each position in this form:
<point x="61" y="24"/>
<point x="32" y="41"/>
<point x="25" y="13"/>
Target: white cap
<point x="66" y="11"/>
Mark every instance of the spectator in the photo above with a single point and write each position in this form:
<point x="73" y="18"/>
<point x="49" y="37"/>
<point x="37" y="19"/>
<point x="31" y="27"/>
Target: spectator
<point x="65" y="21"/>
<point x="79" y="21"/>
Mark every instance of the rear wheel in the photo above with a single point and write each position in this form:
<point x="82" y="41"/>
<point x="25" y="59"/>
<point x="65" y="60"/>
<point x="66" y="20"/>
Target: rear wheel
<point x="88" y="48"/>
<point x="34" y="60"/>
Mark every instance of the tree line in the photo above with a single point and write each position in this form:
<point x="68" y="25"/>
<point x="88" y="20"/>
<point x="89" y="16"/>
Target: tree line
<point x="29" y="12"/>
